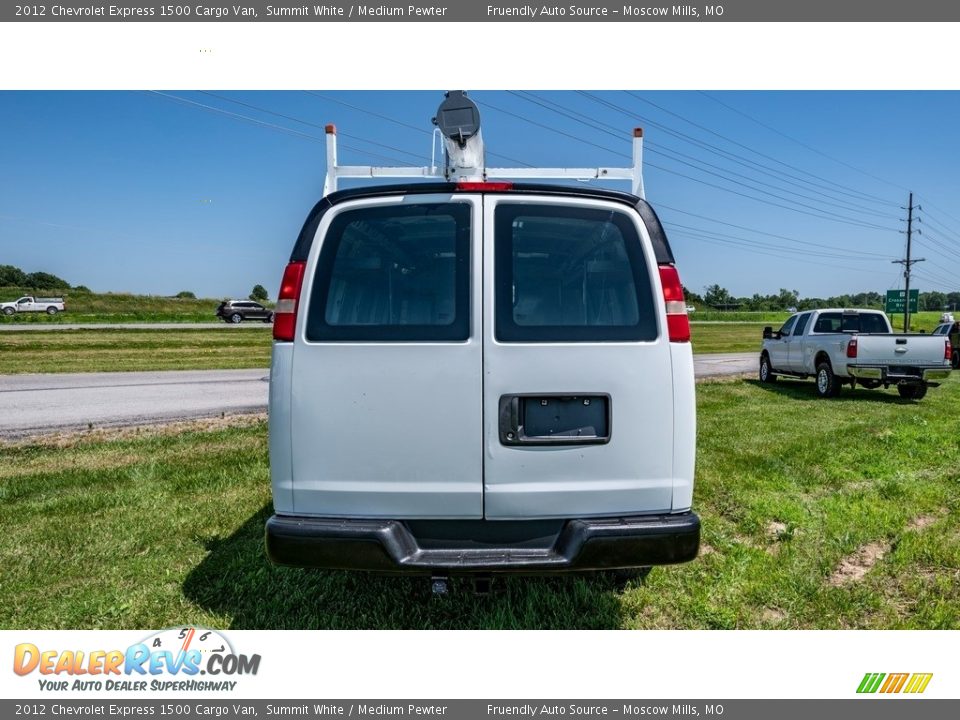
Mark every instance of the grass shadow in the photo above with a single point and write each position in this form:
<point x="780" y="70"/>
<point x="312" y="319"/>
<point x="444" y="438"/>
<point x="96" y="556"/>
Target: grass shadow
<point x="236" y="579"/>
<point x="806" y="390"/>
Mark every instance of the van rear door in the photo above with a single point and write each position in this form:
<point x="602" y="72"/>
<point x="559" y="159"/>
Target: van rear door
<point x="578" y="385"/>
<point x="386" y="408"/>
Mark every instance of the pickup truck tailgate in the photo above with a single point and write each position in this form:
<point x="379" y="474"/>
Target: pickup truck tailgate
<point x="900" y="350"/>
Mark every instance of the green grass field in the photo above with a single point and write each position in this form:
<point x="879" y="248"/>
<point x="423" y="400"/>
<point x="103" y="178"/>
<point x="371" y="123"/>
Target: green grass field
<point x="726" y="337"/>
<point x="225" y="347"/>
<point x="228" y="347"/>
<point x="816" y="514"/>
<point x="117" y="350"/>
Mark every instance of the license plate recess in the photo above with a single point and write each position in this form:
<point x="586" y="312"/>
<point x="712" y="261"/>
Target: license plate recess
<point x="555" y="419"/>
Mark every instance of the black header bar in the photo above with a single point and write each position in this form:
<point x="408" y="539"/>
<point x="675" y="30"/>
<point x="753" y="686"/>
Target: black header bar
<point x="481" y="11"/>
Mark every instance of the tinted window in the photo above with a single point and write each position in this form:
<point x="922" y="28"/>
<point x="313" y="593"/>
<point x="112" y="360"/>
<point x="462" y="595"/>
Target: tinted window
<point x="570" y="274"/>
<point x="802" y="324"/>
<point x="394" y="273"/>
<point x="787" y="328"/>
<point x="828" y="323"/>
<point x="865" y="323"/>
<point x="942" y="330"/>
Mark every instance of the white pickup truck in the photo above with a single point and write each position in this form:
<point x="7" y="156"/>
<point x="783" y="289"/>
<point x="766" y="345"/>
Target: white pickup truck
<point x="51" y="306"/>
<point x="855" y="347"/>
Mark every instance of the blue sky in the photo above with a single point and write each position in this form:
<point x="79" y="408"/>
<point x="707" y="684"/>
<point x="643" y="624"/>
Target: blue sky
<point x="135" y="191"/>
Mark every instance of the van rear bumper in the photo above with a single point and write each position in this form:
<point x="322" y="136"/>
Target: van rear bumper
<point x="389" y="546"/>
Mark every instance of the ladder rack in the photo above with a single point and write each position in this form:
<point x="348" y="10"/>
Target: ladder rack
<point x="463" y="158"/>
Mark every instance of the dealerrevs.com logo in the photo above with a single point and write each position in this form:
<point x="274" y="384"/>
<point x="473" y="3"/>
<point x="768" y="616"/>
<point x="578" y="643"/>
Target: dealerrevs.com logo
<point x="178" y="659"/>
<point x="889" y="683"/>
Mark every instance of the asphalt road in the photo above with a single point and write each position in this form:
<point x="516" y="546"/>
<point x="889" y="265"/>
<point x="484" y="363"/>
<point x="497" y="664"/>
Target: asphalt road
<point x="35" y="404"/>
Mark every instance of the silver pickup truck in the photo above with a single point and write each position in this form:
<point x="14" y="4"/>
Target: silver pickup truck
<point x="855" y="347"/>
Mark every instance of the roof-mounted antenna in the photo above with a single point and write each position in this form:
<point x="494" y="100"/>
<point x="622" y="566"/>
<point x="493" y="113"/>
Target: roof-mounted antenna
<point x="458" y="119"/>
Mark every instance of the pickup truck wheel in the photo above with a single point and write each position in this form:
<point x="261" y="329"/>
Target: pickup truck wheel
<point x="236" y="318"/>
<point x="51" y="311"/>
<point x="8" y="311"/>
<point x="766" y="372"/>
<point x="912" y="391"/>
<point x="828" y="384"/>
<point x="955" y="359"/>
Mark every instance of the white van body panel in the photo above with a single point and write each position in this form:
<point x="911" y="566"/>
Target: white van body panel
<point x="409" y="430"/>
<point x="392" y="429"/>
<point x="684" y="425"/>
<point x="633" y="472"/>
<point x="281" y="450"/>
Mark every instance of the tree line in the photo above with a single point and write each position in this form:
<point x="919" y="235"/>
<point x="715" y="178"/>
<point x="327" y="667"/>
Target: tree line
<point x="11" y="276"/>
<point x="719" y="298"/>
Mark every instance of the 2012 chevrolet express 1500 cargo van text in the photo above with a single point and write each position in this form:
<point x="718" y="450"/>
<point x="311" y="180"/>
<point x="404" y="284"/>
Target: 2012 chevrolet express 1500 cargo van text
<point x="481" y="377"/>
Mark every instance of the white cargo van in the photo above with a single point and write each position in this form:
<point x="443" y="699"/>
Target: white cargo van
<point x="481" y="377"/>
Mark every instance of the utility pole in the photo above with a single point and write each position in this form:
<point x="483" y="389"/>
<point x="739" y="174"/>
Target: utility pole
<point x="907" y="264"/>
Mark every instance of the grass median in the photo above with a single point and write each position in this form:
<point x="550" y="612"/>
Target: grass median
<point x="816" y="514"/>
<point x="62" y="351"/>
<point x="220" y="348"/>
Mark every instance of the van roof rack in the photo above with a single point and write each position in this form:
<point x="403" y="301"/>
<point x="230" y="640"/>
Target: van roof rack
<point x="462" y="155"/>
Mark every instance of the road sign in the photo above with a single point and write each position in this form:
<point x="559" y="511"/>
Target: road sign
<point x="895" y="301"/>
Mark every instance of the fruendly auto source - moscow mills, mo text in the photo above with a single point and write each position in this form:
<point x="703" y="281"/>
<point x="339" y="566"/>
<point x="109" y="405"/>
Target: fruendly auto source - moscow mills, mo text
<point x="424" y="11"/>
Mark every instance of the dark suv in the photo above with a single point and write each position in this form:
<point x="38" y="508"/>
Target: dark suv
<point x="236" y="311"/>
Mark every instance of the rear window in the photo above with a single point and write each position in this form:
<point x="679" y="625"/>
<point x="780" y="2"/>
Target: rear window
<point x="396" y="273"/>
<point x="828" y="323"/>
<point x="865" y="323"/>
<point x="851" y="322"/>
<point x="570" y="274"/>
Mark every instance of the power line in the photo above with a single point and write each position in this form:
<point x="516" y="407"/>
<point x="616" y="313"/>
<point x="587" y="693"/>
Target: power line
<point x="941" y="283"/>
<point x="713" y="148"/>
<point x="941" y="227"/>
<point x="929" y="240"/>
<point x="838" y="253"/>
<point x="313" y="125"/>
<point x="672" y="153"/>
<point x="798" y="142"/>
<point x="754" y="230"/>
<point x="823" y="215"/>
<point x="927" y="201"/>
<point x="271" y="126"/>
<point x="785" y="257"/>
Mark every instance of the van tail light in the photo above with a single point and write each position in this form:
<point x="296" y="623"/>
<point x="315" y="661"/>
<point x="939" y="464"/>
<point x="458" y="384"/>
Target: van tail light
<point x="852" y="348"/>
<point x="288" y="302"/>
<point x="947" y="350"/>
<point x="678" y="324"/>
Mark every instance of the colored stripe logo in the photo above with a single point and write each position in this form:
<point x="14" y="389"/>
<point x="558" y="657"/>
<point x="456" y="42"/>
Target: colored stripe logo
<point x="894" y="683"/>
